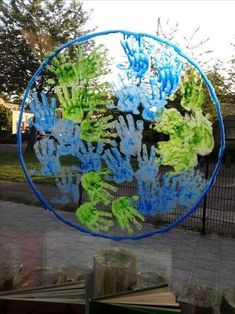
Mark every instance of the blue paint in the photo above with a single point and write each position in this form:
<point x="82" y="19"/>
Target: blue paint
<point x="65" y="133"/>
<point x="47" y="154"/>
<point x="90" y="157"/>
<point x="120" y="166"/>
<point x="68" y="187"/>
<point x="130" y="134"/>
<point x="148" y="166"/>
<point x="164" y="192"/>
<point x="161" y="86"/>
<point x="128" y="97"/>
<point x="44" y="113"/>
<point x="139" y="59"/>
<point x="152" y="92"/>
<point x="138" y="65"/>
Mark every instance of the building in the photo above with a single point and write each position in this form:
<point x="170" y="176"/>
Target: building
<point x="15" y="109"/>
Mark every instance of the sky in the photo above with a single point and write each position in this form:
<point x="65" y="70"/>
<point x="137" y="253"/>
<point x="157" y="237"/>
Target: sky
<point x="215" y="18"/>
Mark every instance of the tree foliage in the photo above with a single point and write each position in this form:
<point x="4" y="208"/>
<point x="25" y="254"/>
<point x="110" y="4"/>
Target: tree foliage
<point x="29" y="30"/>
<point x="5" y="118"/>
<point x="197" y="47"/>
<point x="224" y="91"/>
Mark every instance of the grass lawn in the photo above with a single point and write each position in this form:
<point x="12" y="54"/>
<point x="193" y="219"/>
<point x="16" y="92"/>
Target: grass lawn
<point x="10" y="169"/>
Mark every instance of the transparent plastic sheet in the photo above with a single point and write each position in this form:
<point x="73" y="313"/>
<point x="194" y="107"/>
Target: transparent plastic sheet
<point x="103" y="163"/>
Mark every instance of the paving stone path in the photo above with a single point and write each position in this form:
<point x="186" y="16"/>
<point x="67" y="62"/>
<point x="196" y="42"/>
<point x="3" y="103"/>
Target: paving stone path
<point x="31" y="236"/>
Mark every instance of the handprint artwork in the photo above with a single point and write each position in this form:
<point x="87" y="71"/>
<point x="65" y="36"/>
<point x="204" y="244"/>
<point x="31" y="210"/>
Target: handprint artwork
<point x="121" y="137"/>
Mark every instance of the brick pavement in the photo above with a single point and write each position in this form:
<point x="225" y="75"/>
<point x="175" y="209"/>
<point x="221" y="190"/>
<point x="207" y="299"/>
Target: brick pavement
<point x="30" y="235"/>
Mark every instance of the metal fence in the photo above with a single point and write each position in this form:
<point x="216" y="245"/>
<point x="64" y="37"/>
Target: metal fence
<point x="215" y="214"/>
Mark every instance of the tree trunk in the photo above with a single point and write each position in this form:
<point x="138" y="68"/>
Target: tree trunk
<point x="114" y="271"/>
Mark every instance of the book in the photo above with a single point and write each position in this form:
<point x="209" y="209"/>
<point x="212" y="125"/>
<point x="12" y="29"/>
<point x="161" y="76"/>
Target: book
<point x="54" y="299"/>
<point x="157" y="299"/>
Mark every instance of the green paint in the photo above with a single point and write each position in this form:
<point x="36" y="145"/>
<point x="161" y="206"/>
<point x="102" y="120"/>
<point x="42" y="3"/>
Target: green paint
<point x="202" y="135"/>
<point x="96" y="188"/>
<point x="177" y="154"/>
<point x="97" y="129"/>
<point x="77" y="86"/>
<point x="79" y="67"/>
<point x="72" y="103"/>
<point x="173" y="124"/>
<point x="192" y="91"/>
<point x="125" y="214"/>
<point x="190" y="135"/>
<point x="93" y="219"/>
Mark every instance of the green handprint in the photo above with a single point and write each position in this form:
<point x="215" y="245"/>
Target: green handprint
<point x="64" y="69"/>
<point x="125" y="214"/>
<point x="97" y="129"/>
<point x="202" y="135"/>
<point x="77" y="85"/>
<point x="79" y="70"/>
<point x="72" y="103"/>
<point x="189" y="135"/>
<point x="192" y="91"/>
<point x="77" y="101"/>
<point x="94" y="219"/>
<point x="96" y="187"/>
<point x="181" y="156"/>
<point x="174" y="124"/>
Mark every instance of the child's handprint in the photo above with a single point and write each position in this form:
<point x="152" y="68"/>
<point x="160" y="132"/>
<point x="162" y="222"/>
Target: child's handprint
<point x="94" y="219"/>
<point x="148" y="166"/>
<point x="44" y="113"/>
<point x="47" y="154"/>
<point x="130" y="134"/>
<point x="120" y="167"/>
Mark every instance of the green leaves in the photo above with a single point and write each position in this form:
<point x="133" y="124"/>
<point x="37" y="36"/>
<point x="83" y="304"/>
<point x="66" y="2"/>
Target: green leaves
<point x="30" y="30"/>
<point x="5" y="118"/>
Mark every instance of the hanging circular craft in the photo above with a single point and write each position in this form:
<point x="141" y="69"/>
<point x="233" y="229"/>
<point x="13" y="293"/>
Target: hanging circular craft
<point x="121" y="126"/>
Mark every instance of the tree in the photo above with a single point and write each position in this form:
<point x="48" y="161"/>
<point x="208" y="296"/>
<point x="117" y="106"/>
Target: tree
<point x="5" y="118"/>
<point x="29" y="30"/>
<point x="224" y="91"/>
<point x="222" y="79"/>
<point x="193" y="45"/>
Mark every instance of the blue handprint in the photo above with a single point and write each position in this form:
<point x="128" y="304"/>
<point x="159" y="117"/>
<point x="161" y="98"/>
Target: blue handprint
<point x="169" y="73"/>
<point x="139" y="60"/>
<point x="157" y="89"/>
<point x="90" y="156"/>
<point x="155" y="197"/>
<point x="64" y="131"/>
<point x="191" y="184"/>
<point x="148" y="199"/>
<point x="130" y="135"/>
<point x="120" y="167"/>
<point x="152" y="102"/>
<point x="148" y="166"/>
<point x="47" y="154"/>
<point x="128" y="96"/>
<point x="44" y="113"/>
<point x="68" y="188"/>
<point x="167" y="194"/>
